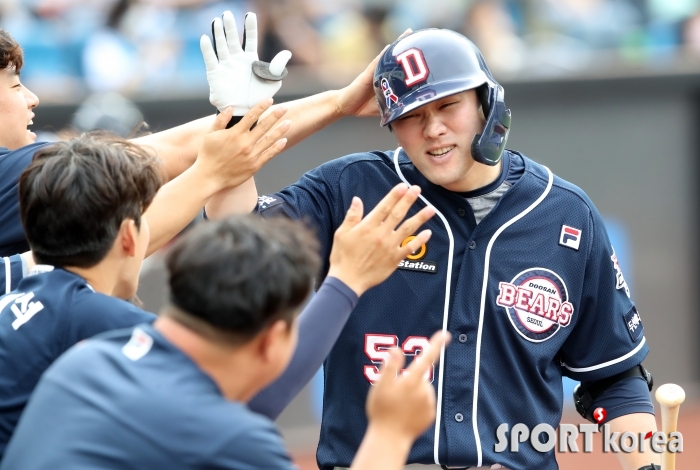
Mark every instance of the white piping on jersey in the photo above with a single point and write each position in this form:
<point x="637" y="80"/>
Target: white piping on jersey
<point x="8" y="274"/>
<point x="446" y="308"/>
<point x="609" y="363"/>
<point x="483" y="305"/>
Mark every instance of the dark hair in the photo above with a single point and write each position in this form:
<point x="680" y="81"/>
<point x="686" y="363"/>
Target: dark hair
<point x="10" y="52"/>
<point x="239" y="274"/>
<point x="75" y="195"/>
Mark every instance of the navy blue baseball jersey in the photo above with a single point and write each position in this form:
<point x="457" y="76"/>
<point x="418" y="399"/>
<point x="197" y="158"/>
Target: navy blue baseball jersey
<point x="129" y="399"/>
<point x="531" y="293"/>
<point x="12" y="164"/>
<point x="47" y="314"/>
<point x="12" y="270"/>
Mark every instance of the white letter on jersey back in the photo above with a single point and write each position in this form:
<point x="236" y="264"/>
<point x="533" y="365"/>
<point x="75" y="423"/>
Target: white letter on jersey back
<point x="24" y="310"/>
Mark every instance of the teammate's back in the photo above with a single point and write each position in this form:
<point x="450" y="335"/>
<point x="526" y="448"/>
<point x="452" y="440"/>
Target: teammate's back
<point x="152" y="389"/>
<point x="46" y="315"/>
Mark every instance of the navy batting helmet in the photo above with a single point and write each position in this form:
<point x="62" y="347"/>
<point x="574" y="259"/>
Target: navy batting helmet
<point x="430" y="64"/>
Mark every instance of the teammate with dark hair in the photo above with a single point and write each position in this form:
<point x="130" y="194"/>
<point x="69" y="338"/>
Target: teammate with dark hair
<point x="172" y="394"/>
<point x="520" y="270"/>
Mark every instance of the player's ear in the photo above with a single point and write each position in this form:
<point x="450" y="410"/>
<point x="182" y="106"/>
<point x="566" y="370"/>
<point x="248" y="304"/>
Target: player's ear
<point x="127" y="237"/>
<point x="275" y="341"/>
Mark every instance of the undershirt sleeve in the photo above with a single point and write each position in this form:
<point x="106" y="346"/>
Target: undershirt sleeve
<point x="628" y="396"/>
<point x="320" y="325"/>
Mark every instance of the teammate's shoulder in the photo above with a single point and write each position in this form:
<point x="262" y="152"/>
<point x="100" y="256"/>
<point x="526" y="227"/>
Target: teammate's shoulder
<point x="108" y="308"/>
<point x="20" y="157"/>
<point x="561" y="188"/>
<point x="360" y="161"/>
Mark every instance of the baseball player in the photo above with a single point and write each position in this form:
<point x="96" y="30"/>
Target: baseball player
<point x="519" y="270"/>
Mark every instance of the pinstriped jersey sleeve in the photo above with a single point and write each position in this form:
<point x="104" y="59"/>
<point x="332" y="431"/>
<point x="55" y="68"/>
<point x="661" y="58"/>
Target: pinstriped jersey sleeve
<point x="12" y="270"/>
<point x="608" y="336"/>
<point x="315" y="199"/>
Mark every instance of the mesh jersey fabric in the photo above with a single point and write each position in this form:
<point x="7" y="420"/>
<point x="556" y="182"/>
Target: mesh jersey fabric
<point x="498" y="369"/>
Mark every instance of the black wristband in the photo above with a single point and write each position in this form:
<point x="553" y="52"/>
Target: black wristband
<point x="651" y="467"/>
<point x="235" y="120"/>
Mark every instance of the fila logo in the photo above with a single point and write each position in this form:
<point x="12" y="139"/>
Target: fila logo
<point x="570" y="237"/>
<point x="138" y="346"/>
<point x="414" y="66"/>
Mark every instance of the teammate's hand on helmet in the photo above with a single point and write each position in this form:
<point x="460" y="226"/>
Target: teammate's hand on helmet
<point x="402" y="402"/>
<point x="229" y="157"/>
<point x="357" y="99"/>
<point x="366" y="251"/>
<point x="236" y="77"/>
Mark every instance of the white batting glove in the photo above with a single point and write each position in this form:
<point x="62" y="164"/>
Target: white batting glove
<point x="236" y="77"/>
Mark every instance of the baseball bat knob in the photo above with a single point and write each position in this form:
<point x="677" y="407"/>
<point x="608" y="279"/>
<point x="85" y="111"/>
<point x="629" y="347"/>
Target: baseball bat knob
<point x="670" y="395"/>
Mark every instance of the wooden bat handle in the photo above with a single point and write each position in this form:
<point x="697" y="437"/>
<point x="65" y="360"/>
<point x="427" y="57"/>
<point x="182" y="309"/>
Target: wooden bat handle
<point x="670" y="397"/>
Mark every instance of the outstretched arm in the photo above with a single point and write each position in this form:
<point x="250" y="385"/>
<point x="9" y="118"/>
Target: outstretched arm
<point x="177" y="147"/>
<point x="226" y="158"/>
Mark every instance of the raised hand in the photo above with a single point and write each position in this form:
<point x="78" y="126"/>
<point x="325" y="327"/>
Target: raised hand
<point x="236" y="77"/>
<point x="366" y="251"/>
<point x="400" y="406"/>
<point x="357" y="99"/>
<point x="403" y="404"/>
<point x="232" y="156"/>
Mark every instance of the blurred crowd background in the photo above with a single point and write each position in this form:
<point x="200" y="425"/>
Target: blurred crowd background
<point x="151" y="47"/>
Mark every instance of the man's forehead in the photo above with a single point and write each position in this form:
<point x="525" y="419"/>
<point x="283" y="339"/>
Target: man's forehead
<point x="439" y="101"/>
<point x="9" y="72"/>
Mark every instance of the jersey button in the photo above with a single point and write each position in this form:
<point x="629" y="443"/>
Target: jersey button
<point x="472" y="245"/>
<point x="462" y="338"/>
<point x="461" y="212"/>
<point x="459" y="418"/>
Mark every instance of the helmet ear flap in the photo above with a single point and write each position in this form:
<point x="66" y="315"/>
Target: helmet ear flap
<point x="487" y="147"/>
<point x="482" y="94"/>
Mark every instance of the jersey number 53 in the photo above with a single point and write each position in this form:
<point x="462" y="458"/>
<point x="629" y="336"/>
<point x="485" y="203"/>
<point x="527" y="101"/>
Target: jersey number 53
<point x="377" y="350"/>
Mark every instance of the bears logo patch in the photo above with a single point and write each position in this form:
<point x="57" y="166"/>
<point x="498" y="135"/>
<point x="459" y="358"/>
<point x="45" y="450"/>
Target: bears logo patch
<point x="537" y="303"/>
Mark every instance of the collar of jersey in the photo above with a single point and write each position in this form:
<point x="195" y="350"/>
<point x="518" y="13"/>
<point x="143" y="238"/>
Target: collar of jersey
<point x="492" y="186"/>
<point x="41" y="269"/>
<point x="506" y="170"/>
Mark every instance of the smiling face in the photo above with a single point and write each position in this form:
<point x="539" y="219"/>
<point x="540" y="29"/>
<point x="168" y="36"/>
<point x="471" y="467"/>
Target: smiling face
<point x="16" y="105"/>
<point x="437" y="137"/>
